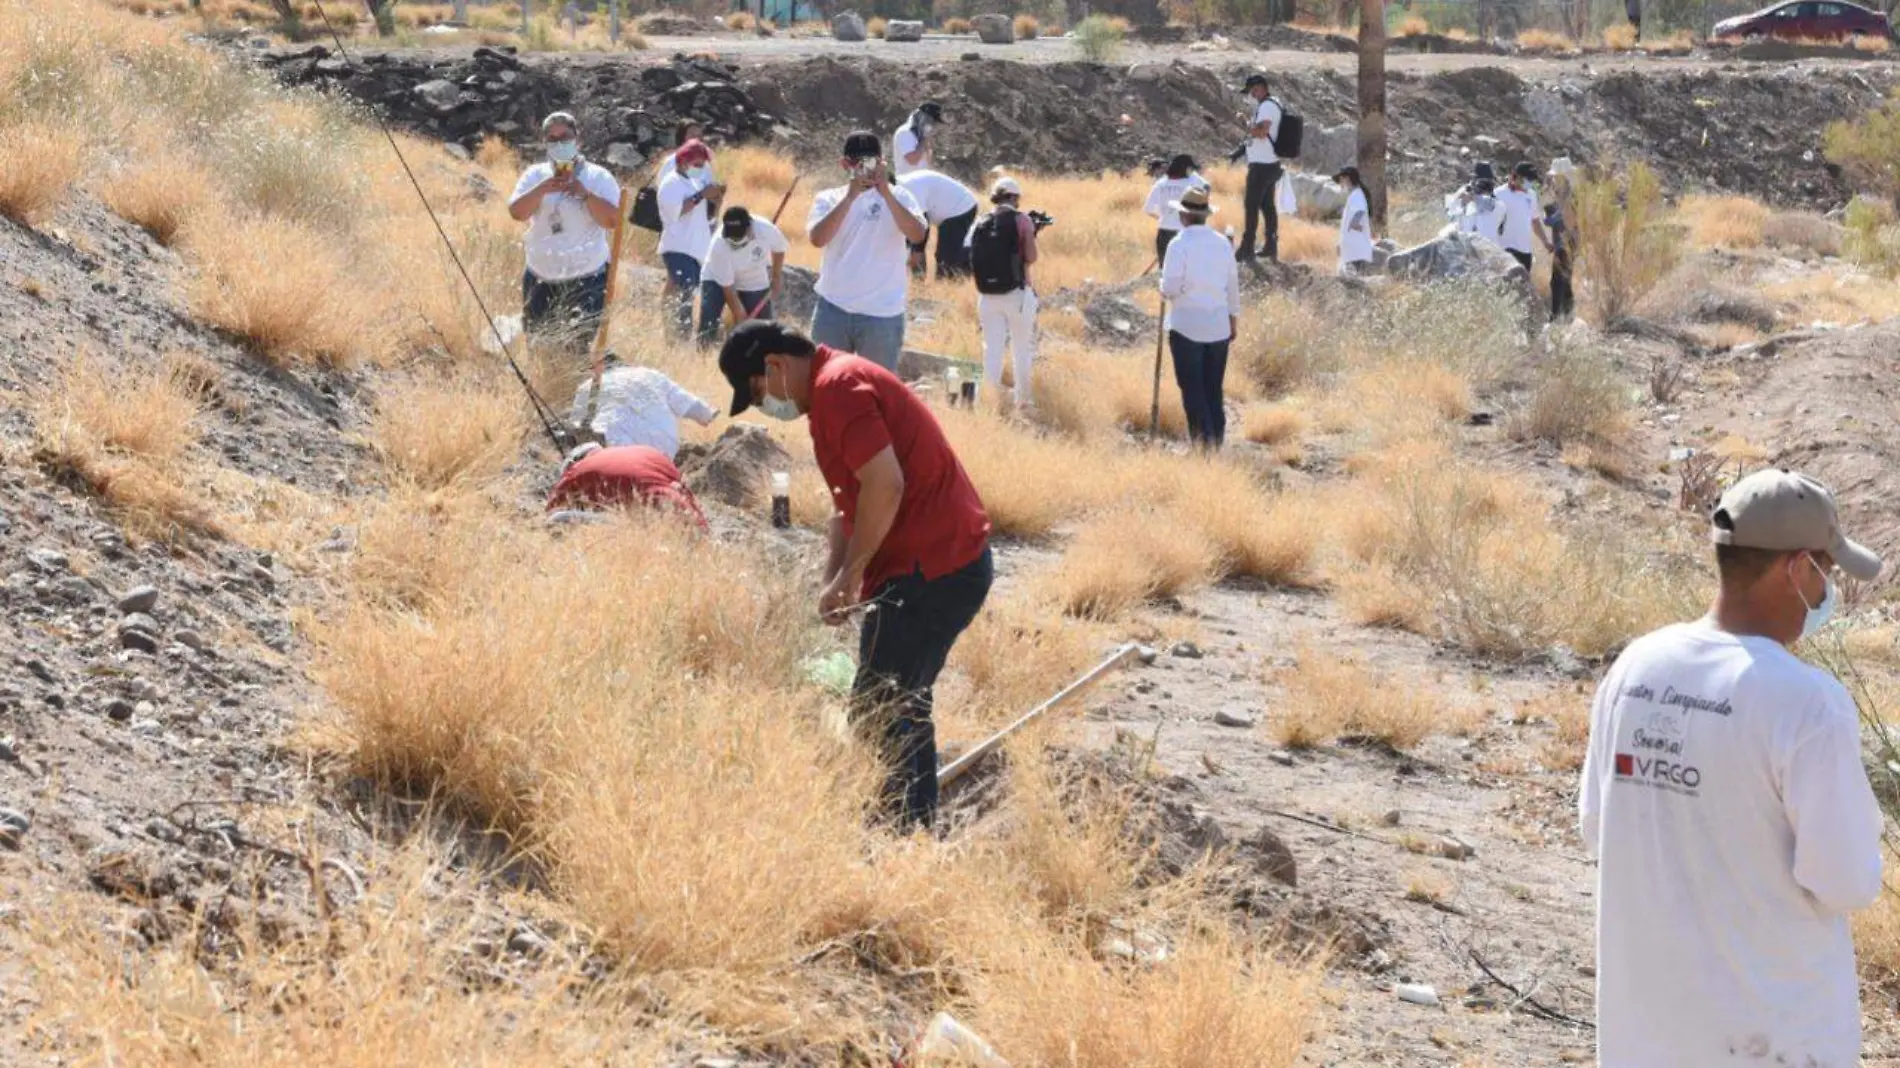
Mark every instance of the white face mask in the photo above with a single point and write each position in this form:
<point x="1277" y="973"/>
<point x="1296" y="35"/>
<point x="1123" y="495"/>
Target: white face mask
<point x="564" y="151"/>
<point x="700" y="173"/>
<point x="1819" y="614"/>
<point x="777" y="407"/>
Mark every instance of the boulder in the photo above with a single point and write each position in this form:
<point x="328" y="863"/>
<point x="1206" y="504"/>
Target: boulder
<point x="1454" y="256"/>
<point x="903" y="30"/>
<point x="800" y="296"/>
<point x="1325" y="149"/>
<point x="994" y="29"/>
<point x="849" y="26"/>
<point x="439" y="96"/>
<point x="1318" y="198"/>
<point x="625" y="156"/>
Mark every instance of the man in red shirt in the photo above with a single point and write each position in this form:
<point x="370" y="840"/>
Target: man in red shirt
<point x="909" y="540"/>
<point x="597" y="478"/>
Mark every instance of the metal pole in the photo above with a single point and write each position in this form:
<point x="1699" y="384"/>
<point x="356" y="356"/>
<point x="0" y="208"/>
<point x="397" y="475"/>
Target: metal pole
<point x="613" y="21"/>
<point x="955" y="770"/>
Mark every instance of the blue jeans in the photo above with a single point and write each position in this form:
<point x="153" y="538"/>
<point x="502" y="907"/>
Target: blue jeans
<point x="574" y="305"/>
<point x="1200" y="369"/>
<point x="683" y="271"/>
<point x="879" y="339"/>
<point x="901" y="651"/>
<point x="712" y="308"/>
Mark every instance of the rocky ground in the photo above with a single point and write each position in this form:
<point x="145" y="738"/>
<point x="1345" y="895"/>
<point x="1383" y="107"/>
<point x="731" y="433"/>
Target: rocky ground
<point x="1753" y="129"/>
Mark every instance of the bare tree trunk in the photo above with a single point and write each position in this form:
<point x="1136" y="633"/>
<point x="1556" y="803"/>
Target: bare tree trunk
<point x="1372" y="106"/>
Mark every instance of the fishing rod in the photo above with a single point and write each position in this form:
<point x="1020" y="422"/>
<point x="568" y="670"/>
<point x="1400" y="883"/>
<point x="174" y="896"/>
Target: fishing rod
<point x="550" y="425"/>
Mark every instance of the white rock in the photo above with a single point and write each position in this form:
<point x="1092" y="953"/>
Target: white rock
<point x="1417" y="994"/>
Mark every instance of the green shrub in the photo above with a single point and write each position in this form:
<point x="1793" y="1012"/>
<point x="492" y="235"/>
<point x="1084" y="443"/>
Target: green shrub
<point x="1099" y="38"/>
<point x="1873" y="237"/>
<point x="1625" y="245"/>
<point x="1868" y="149"/>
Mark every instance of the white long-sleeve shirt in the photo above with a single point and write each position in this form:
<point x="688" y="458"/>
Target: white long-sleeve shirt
<point x="641" y="406"/>
<point x="1201" y="282"/>
<point x="1724" y="796"/>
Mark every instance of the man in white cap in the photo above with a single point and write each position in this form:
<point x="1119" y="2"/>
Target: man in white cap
<point x="1724" y="795"/>
<point x="1002" y="248"/>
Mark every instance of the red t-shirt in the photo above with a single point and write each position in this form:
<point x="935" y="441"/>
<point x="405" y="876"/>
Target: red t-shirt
<point x="622" y="475"/>
<point x="858" y="408"/>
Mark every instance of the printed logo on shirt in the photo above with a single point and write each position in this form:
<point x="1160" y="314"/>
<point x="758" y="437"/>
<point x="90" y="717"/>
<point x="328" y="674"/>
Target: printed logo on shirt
<point x="1673" y="698"/>
<point x="1659" y="773"/>
<point x="1661" y="733"/>
<point x="875" y="209"/>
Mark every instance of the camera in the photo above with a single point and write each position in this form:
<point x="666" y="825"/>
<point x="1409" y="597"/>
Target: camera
<point x="1041" y="219"/>
<point x="1239" y="153"/>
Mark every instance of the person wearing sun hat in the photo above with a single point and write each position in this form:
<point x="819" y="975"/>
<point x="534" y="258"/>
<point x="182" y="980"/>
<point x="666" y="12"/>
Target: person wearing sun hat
<point x="1355" y="223"/>
<point x="1725" y="798"/>
<point x="1200" y="281"/>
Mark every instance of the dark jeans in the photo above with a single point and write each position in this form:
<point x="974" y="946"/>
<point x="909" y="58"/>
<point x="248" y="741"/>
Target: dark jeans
<point x="683" y="272"/>
<point x="953" y="258"/>
<point x="712" y="308"/>
<point x="1200" y="369"/>
<point x="1563" y="300"/>
<point x="573" y="307"/>
<point x="1164" y="238"/>
<point x="1261" y="179"/>
<point x="901" y="650"/>
<point x="1521" y="257"/>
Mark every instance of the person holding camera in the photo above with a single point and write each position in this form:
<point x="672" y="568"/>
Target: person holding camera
<point x="571" y="207"/>
<point x="1200" y="280"/>
<point x="688" y="199"/>
<point x="1263" y="170"/>
<point x="911" y="147"/>
<point x="950" y="207"/>
<point x="1002" y="248"/>
<point x="864" y="229"/>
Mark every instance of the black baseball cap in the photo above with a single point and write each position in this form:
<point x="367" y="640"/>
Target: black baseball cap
<point x="1349" y="172"/>
<point x="862" y="144"/>
<point x="1254" y="79"/>
<point x="1524" y="170"/>
<point x="743" y="355"/>
<point x="932" y="109"/>
<point x="1182" y="165"/>
<point x="735" y="223"/>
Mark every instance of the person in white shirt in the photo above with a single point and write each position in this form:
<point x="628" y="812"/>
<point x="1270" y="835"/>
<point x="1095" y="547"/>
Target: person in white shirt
<point x="1458" y="202"/>
<point x="1003" y="247"/>
<point x="1725" y="799"/>
<point x="1263" y="169"/>
<point x="1519" y="220"/>
<point x="638" y="406"/>
<point x="1355" y="224"/>
<point x="571" y="207"/>
<point x="688" y="200"/>
<point x="1182" y="175"/>
<point x="1200" y="280"/>
<point x="862" y="227"/>
<point x="1481" y="218"/>
<point x="948" y="205"/>
<point x="683" y="131"/>
<point x="745" y="265"/>
<point x="911" y="146"/>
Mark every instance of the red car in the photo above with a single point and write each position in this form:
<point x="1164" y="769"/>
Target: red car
<point x="1810" y="20"/>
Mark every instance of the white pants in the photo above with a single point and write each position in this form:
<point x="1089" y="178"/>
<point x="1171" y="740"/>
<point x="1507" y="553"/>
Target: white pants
<point x="1009" y="319"/>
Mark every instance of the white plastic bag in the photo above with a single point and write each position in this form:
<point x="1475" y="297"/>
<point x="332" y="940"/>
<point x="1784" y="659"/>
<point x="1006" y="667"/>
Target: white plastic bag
<point x="1283" y="199"/>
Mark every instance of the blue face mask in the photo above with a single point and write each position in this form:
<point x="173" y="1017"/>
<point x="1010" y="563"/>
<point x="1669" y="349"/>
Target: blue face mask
<point x="1819" y="614"/>
<point x="778" y="408"/>
<point x="564" y="151"/>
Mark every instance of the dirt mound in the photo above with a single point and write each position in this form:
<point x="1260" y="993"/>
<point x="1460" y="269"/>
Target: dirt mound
<point x="736" y="469"/>
<point x="672" y="25"/>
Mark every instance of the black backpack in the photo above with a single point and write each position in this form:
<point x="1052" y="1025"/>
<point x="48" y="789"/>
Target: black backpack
<point x="1286" y="140"/>
<point x="646" y="210"/>
<point x="996" y="255"/>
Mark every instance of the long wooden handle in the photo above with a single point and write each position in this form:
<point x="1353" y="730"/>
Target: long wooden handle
<point x="955" y="770"/>
<point x="1154" y="406"/>
<point x="607" y="308"/>
<point x="784" y="200"/>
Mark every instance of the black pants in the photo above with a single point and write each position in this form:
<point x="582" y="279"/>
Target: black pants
<point x="570" y="308"/>
<point x="1164" y="238"/>
<point x="953" y="257"/>
<point x="1521" y="257"/>
<point x="1563" y="300"/>
<point x="901" y="650"/>
<point x="1200" y="370"/>
<point x="1261" y="180"/>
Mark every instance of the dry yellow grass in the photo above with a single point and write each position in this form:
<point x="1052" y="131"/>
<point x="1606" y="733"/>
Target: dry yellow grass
<point x="1325" y="697"/>
<point x="1027" y="27"/>
<point x="1124" y="558"/>
<point x="1730" y="222"/>
<point x="1619" y="37"/>
<point x="1411" y="26"/>
<point x="1568" y="713"/>
<point x="1427" y="886"/>
<point x="439" y="433"/>
<point x="159" y="193"/>
<point x="959" y="26"/>
<point x="39" y="162"/>
<point x="1273" y="424"/>
<point x="283" y="287"/>
<point x="1546" y="41"/>
<point x="875" y="26"/>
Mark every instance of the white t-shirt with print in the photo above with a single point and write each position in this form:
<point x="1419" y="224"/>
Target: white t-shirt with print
<point x="564" y="242"/>
<point x="865" y="269"/>
<point x="1355" y="246"/>
<point x="1167" y="191"/>
<point x="1724" y="797"/>
<point x="941" y="196"/>
<point x="1260" y="149"/>
<point x="682" y="230"/>
<point x="1516" y="209"/>
<point x="903" y="143"/>
<point x="747" y="269"/>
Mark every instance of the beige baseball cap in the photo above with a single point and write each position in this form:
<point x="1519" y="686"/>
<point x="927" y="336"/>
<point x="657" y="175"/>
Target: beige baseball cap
<point x="1782" y="511"/>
